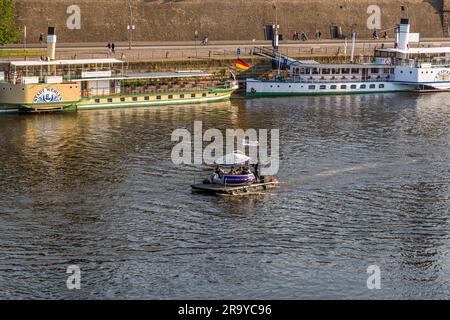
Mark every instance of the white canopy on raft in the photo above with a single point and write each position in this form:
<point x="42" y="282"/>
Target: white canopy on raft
<point x="233" y="159"/>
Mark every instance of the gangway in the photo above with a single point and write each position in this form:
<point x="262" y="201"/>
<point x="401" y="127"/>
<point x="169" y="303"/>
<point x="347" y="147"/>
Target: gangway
<point x="277" y="58"/>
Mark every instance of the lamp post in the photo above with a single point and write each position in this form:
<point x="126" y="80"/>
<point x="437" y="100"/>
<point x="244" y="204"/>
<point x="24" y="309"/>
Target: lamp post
<point x="25" y="37"/>
<point x="195" y="39"/>
<point x="130" y="26"/>
<point x="275" y="28"/>
<point x="405" y="8"/>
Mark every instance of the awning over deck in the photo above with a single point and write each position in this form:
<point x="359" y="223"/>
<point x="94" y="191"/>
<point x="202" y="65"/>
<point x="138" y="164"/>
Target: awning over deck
<point x="38" y="63"/>
<point x="432" y="50"/>
<point x="343" y="66"/>
<point x="152" y="75"/>
<point x="176" y="74"/>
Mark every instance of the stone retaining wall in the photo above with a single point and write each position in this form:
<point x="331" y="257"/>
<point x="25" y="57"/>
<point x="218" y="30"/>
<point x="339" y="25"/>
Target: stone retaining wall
<point x="177" y="20"/>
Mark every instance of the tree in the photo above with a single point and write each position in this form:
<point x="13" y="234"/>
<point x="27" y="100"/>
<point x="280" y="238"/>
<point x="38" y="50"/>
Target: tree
<point x="9" y="33"/>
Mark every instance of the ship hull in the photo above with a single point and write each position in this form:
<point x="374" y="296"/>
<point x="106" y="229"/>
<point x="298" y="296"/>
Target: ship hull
<point x="155" y="100"/>
<point x="125" y="101"/>
<point x="261" y="88"/>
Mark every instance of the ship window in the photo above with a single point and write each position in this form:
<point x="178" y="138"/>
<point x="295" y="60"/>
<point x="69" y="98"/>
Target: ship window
<point x="181" y="96"/>
<point x="363" y="86"/>
<point x="325" y="71"/>
<point x="372" y="86"/>
<point x="353" y="86"/>
<point x="387" y="71"/>
<point x="346" y="71"/>
<point x="135" y="99"/>
<point x="336" y="71"/>
<point x="355" y="71"/>
<point x="374" y="70"/>
<point x="411" y="72"/>
<point x="322" y="87"/>
<point x="110" y="100"/>
<point x="122" y="99"/>
<point x="158" y="97"/>
<point x="333" y="87"/>
<point x="170" y="96"/>
<point x="146" y="98"/>
<point x="308" y="71"/>
<point x="344" y="87"/>
<point x="203" y="94"/>
<point x="315" y="71"/>
<point x="312" y="87"/>
<point x="381" y="86"/>
<point x="97" y="100"/>
<point x="193" y="95"/>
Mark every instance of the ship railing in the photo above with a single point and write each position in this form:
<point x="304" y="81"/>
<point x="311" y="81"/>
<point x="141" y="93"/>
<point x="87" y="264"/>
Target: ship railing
<point x="152" y="89"/>
<point x="344" y="80"/>
<point x="435" y="63"/>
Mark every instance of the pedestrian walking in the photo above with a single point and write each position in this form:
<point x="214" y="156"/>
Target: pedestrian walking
<point x="109" y="48"/>
<point x="304" y="36"/>
<point x="41" y="38"/>
<point x="375" y="35"/>
<point x="318" y="34"/>
<point x="113" y="48"/>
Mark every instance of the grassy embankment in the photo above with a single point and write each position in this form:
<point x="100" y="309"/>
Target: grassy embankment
<point x="20" y="54"/>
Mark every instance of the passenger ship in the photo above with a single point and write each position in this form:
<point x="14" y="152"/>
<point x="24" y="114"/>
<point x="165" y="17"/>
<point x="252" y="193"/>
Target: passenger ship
<point x="398" y="69"/>
<point x="55" y="85"/>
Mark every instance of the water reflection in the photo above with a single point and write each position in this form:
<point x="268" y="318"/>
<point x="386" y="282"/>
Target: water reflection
<point x="366" y="181"/>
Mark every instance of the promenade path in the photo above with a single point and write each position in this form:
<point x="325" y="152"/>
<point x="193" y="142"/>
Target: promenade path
<point x="143" y="51"/>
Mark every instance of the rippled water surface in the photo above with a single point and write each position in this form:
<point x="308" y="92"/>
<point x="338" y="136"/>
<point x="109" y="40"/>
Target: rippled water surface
<point x="366" y="182"/>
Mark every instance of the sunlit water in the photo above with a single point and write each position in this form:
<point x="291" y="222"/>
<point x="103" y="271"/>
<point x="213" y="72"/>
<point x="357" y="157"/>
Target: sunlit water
<point x="366" y="182"/>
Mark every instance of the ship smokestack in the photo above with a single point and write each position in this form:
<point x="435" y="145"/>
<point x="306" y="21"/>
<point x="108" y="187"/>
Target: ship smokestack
<point x="402" y="37"/>
<point x="51" y="43"/>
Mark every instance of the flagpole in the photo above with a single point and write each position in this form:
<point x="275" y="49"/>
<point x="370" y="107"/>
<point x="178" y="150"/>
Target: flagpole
<point x="345" y="49"/>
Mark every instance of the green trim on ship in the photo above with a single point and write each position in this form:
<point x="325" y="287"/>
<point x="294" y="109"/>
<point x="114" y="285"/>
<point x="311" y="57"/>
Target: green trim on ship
<point x="42" y="104"/>
<point x="151" y="103"/>
<point x="89" y="104"/>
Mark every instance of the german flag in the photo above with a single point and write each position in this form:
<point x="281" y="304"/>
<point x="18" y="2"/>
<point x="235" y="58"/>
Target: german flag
<point x="242" y="65"/>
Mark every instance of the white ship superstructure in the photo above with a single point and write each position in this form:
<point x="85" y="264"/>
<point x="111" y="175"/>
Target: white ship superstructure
<point x="398" y="69"/>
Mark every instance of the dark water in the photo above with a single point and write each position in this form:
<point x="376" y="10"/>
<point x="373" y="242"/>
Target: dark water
<point x="366" y="183"/>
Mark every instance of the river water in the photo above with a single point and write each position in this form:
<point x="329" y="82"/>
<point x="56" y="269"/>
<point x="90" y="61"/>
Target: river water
<point x="365" y="182"/>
